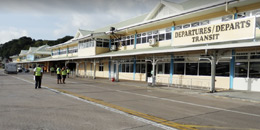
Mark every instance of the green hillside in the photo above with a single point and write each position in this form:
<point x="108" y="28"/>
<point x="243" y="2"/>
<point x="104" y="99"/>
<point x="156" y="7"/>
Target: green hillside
<point x="15" y="46"/>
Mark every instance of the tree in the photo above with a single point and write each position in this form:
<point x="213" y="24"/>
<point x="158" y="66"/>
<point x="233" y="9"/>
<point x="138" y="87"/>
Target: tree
<point x="15" y="46"/>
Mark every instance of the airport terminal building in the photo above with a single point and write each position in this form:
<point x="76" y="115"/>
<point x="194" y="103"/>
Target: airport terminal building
<point x="197" y="43"/>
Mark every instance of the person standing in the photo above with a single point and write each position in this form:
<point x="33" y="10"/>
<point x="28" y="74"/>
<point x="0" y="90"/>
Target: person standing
<point x="52" y="70"/>
<point x="44" y="69"/>
<point x="38" y="72"/>
<point x="68" y="72"/>
<point x="63" y="73"/>
<point x="58" y="75"/>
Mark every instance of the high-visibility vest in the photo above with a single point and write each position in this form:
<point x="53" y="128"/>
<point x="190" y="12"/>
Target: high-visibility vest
<point x="52" y="69"/>
<point x="63" y="72"/>
<point x="68" y="70"/>
<point x="38" y="71"/>
<point x="58" y="70"/>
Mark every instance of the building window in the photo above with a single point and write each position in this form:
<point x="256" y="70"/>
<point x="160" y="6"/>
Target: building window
<point x="73" y="49"/>
<point x="168" y="33"/>
<point x="255" y="55"/>
<point x="128" y="41"/>
<point x="131" y="68"/>
<point x="137" y="68"/>
<point x="254" y="70"/>
<point x="101" y="67"/>
<point x="205" y="22"/>
<point x="155" y="35"/>
<point x="178" y="27"/>
<point x="191" y="68"/>
<point x="144" y="38"/>
<point x="132" y="39"/>
<point x="123" y="41"/>
<point x="241" y="69"/>
<point x="167" y="68"/>
<point x="122" y="67"/>
<point x="105" y="43"/>
<point x="204" y="69"/>
<point x="161" y="37"/>
<point x="195" y="24"/>
<point x="55" y="52"/>
<point x="179" y="68"/>
<point x="149" y="36"/>
<point x="160" y="68"/>
<point x="222" y="69"/>
<point x="127" y="68"/>
<point x="63" y="51"/>
<point x="86" y="43"/>
<point x="139" y="40"/>
<point x="99" y="43"/>
<point x="186" y="26"/>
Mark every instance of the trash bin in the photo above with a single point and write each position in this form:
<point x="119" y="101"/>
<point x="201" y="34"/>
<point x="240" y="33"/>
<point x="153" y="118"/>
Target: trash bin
<point x="113" y="79"/>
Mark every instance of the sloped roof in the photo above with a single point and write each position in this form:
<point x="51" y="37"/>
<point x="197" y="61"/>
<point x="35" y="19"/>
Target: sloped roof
<point x="81" y="33"/>
<point x="23" y="52"/>
<point x="174" y="7"/>
<point x="36" y="50"/>
<point x="43" y="50"/>
<point x="85" y="32"/>
<point x="134" y="20"/>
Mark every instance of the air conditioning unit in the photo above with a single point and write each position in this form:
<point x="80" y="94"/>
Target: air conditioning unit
<point x="152" y="42"/>
<point x="113" y="48"/>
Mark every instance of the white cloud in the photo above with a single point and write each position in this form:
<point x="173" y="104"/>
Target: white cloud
<point x="11" y="33"/>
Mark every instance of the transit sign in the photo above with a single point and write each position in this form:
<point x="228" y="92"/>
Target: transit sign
<point x="239" y="29"/>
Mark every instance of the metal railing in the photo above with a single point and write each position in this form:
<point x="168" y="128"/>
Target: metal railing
<point x="190" y="83"/>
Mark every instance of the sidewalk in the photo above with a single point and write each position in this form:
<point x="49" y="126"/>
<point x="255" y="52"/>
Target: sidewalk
<point x="230" y="94"/>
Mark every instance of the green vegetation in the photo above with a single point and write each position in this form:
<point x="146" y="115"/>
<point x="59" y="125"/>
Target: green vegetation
<point x="15" y="46"/>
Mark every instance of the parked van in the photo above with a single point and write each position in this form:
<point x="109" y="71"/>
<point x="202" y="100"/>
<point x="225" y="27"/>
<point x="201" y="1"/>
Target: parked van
<point x="11" y="68"/>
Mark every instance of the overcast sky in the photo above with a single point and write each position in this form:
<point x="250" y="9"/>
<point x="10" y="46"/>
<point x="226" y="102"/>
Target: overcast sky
<point x="53" y="19"/>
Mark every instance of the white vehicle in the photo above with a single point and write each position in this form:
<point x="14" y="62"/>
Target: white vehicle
<point x="19" y="68"/>
<point x="11" y="68"/>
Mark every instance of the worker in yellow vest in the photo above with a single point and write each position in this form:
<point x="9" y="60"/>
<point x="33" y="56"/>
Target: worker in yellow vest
<point x="63" y="73"/>
<point x="38" y="72"/>
<point x="52" y="70"/>
<point x="58" y="75"/>
<point x="68" y="72"/>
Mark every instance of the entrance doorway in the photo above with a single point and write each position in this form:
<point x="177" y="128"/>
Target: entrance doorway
<point x="72" y="66"/>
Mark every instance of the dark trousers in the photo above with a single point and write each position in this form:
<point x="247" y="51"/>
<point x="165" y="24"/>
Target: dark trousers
<point x="38" y="81"/>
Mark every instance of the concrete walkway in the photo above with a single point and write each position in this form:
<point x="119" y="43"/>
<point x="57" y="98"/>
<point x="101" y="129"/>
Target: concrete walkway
<point x="231" y="94"/>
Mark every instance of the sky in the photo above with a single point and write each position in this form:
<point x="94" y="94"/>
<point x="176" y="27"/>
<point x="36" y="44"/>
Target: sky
<point x="53" y="19"/>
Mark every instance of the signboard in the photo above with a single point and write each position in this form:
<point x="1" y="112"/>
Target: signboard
<point x="150" y="80"/>
<point x="239" y="29"/>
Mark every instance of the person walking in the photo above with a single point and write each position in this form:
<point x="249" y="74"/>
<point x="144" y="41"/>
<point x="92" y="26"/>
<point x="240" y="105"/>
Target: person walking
<point x="52" y="70"/>
<point x="68" y="72"/>
<point x="63" y="73"/>
<point x="58" y="75"/>
<point x="38" y="72"/>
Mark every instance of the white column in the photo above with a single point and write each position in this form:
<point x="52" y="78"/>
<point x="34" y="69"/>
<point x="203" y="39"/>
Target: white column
<point x="94" y="64"/>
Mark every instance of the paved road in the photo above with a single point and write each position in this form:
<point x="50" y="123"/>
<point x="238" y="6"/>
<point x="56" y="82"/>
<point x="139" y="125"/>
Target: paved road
<point x="23" y="107"/>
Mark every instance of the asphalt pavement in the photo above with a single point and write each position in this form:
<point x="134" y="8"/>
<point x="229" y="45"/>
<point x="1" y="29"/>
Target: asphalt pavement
<point x="125" y="105"/>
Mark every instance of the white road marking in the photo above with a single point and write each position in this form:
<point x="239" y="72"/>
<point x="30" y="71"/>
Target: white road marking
<point x="182" y="102"/>
<point x="65" y="80"/>
<point x="107" y="108"/>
